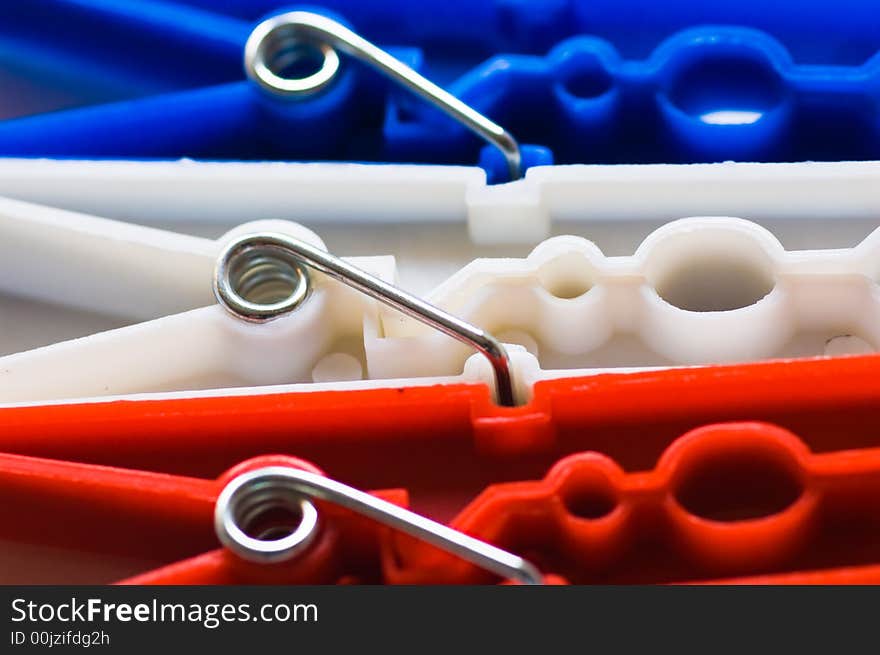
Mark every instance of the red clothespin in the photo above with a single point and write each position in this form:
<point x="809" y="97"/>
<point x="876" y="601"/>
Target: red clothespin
<point x="413" y="437"/>
<point x="281" y="522"/>
<point x="735" y="502"/>
<point x="141" y="519"/>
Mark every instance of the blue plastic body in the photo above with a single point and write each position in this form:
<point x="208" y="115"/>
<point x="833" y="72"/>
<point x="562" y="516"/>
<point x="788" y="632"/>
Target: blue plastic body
<point x="582" y="81"/>
<point x="814" y="31"/>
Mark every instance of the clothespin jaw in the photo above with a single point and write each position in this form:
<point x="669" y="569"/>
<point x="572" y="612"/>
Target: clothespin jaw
<point x="731" y="502"/>
<point x="280" y="520"/>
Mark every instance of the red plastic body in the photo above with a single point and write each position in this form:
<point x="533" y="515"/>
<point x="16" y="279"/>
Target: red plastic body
<point x="159" y="518"/>
<point x="450" y="451"/>
<point x="735" y="499"/>
<point x="731" y="499"/>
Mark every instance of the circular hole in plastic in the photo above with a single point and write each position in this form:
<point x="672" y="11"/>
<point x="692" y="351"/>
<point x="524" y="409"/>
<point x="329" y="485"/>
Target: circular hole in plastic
<point x="264" y="276"/>
<point x="711" y="272"/>
<point x="748" y="483"/>
<point x="730" y="89"/>
<point x="567" y="276"/>
<point x="847" y="344"/>
<point x="587" y="83"/>
<point x="589" y="496"/>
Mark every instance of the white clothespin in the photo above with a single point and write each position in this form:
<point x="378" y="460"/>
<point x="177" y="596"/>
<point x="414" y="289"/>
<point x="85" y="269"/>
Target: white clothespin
<point x="806" y="204"/>
<point x="697" y="291"/>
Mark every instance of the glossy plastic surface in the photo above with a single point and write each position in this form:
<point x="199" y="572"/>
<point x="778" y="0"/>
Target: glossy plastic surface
<point x="724" y="500"/>
<point x="731" y="502"/>
<point x="680" y="92"/>
<point x="809" y="28"/>
<point x="153" y="517"/>
<point x="446" y="445"/>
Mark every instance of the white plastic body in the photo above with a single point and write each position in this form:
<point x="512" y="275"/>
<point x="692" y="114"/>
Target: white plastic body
<point x="436" y="219"/>
<point x="804" y="204"/>
<point x="697" y="291"/>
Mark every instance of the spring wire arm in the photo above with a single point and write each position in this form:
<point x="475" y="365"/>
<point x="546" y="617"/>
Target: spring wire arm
<point x="287" y="31"/>
<point x="245" y="493"/>
<point x="302" y="253"/>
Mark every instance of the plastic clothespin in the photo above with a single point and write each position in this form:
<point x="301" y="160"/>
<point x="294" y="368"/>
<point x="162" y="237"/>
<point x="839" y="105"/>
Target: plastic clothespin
<point x="698" y="291"/>
<point x="264" y="513"/>
<point x="724" y="501"/>
<point x="733" y="502"/>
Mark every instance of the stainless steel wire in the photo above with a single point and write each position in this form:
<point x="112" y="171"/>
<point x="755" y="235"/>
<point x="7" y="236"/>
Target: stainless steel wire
<point x="270" y="44"/>
<point x="269" y="486"/>
<point x="233" y="266"/>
